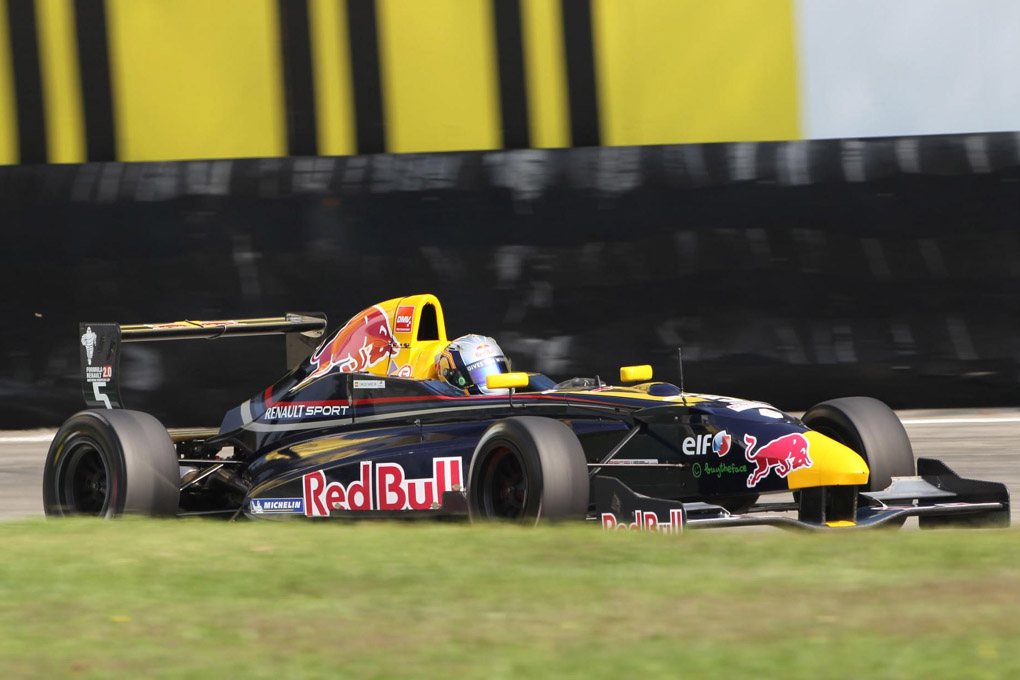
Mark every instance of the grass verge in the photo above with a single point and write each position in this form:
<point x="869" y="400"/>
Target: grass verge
<point x="142" y="598"/>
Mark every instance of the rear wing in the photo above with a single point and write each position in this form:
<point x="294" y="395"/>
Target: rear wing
<point x="100" y="345"/>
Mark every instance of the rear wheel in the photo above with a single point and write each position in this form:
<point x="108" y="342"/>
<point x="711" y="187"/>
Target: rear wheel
<point x="527" y="470"/>
<point x="106" y="463"/>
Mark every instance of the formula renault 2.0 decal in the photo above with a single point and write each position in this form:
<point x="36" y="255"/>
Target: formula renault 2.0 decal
<point x="784" y="454"/>
<point x="382" y="486"/>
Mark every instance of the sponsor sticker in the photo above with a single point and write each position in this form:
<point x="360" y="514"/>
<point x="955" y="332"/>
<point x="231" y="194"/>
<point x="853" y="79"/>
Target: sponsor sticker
<point x="741" y="406"/>
<point x="382" y="486"/>
<point x="721" y="469"/>
<point x="191" y="324"/>
<point x="405" y="315"/>
<point x="633" y="461"/>
<point x="696" y="446"/>
<point x="263" y="506"/>
<point x="646" y="521"/>
<point x="88" y="341"/>
<point x="98" y="373"/>
<point x="369" y="384"/>
<point x="298" y="411"/>
<point x="721" y="443"/>
<point x="484" y="350"/>
<point x="783" y="454"/>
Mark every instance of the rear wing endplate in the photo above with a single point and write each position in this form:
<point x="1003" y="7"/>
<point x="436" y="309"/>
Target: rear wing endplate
<point x="100" y="345"/>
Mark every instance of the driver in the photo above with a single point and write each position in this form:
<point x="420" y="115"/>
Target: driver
<point x="466" y="362"/>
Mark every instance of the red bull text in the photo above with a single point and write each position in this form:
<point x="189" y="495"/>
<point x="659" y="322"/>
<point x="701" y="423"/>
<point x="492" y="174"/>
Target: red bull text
<point x="783" y="454"/>
<point x="646" y="520"/>
<point x="387" y="489"/>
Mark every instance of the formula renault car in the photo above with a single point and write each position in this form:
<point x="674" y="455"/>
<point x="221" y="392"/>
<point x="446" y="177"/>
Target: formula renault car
<point x="362" y="427"/>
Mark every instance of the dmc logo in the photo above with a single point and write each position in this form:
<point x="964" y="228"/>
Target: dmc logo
<point x="405" y="314"/>
<point x="783" y="454"/>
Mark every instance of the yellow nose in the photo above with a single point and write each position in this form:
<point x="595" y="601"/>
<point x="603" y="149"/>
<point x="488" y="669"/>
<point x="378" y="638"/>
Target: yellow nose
<point x="832" y="464"/>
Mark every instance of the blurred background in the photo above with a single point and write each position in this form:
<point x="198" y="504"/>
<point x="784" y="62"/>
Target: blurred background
<point x="812" y="199"/>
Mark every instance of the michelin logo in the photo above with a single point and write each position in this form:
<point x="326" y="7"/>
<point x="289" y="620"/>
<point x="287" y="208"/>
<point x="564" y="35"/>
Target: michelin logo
<point x="263" y="506"/>
<point x="88" y="341"/>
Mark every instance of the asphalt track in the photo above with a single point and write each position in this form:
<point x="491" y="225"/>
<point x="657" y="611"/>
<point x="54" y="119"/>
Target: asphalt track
<point x="976" y="443"/>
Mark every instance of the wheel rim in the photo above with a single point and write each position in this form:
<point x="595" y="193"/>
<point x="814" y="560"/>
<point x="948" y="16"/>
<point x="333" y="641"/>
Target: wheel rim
<point x="86" y="480"/>
<point x="504" y="485"/>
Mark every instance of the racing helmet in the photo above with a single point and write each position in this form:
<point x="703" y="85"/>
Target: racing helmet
<point x="465" y="363"/>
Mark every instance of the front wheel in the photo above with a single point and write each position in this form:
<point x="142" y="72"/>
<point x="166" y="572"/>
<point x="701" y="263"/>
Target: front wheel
<point x="107" y="463"/>
<point x="872" y="430"/>
<point x="526" y="470"/>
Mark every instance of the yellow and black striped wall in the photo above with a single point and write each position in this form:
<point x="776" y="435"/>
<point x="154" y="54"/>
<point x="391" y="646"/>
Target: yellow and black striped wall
<point x="142" y="80"/>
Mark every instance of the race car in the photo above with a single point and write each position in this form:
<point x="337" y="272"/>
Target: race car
<point x="374" y="421"/>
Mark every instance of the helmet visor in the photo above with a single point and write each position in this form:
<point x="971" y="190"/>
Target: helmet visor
<point x="479" y="370"/>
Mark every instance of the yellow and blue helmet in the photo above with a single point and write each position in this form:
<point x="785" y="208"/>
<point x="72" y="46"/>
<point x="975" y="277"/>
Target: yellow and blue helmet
<point x="468" y="360"/>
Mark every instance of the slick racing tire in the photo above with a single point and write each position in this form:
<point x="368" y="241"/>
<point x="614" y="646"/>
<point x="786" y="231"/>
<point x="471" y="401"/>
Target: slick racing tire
<point x="870" y="428"/>
<point x="107" y="463"/>
<point x="528" y="470"/>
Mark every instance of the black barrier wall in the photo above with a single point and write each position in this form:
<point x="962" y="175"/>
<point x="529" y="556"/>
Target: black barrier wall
<point x="789" y="272"/>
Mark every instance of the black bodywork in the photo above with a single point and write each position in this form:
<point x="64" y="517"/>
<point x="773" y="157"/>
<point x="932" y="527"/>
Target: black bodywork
<point x="345" y="445"/>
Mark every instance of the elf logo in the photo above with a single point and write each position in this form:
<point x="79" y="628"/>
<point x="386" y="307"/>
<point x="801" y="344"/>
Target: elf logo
<point x="700" y="445"/>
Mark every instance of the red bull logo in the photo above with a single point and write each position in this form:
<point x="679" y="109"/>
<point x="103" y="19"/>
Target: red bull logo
<point x="646" y="520"/>
<point x="783" y="454"/>
<point x="387" y="489"/>
<point x="362" y="343"/>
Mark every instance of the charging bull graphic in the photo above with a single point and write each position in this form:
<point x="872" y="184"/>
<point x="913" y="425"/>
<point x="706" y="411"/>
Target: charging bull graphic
<point x="362" y="343"/>
<point x="785" y="454"/>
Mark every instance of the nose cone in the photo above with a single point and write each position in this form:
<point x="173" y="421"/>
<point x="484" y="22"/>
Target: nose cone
<point x="832" y="464"/>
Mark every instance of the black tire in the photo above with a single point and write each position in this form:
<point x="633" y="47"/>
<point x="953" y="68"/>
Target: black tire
<point x="107" y="463"/>
<point x="870" y="428"/>
<point x="527" y="470"/>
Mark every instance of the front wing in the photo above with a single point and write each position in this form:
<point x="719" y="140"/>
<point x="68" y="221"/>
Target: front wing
<point x="937" y="496"/>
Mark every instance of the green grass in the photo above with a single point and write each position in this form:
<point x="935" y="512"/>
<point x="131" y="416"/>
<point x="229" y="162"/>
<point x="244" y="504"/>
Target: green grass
<point x="86" y="599"/>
